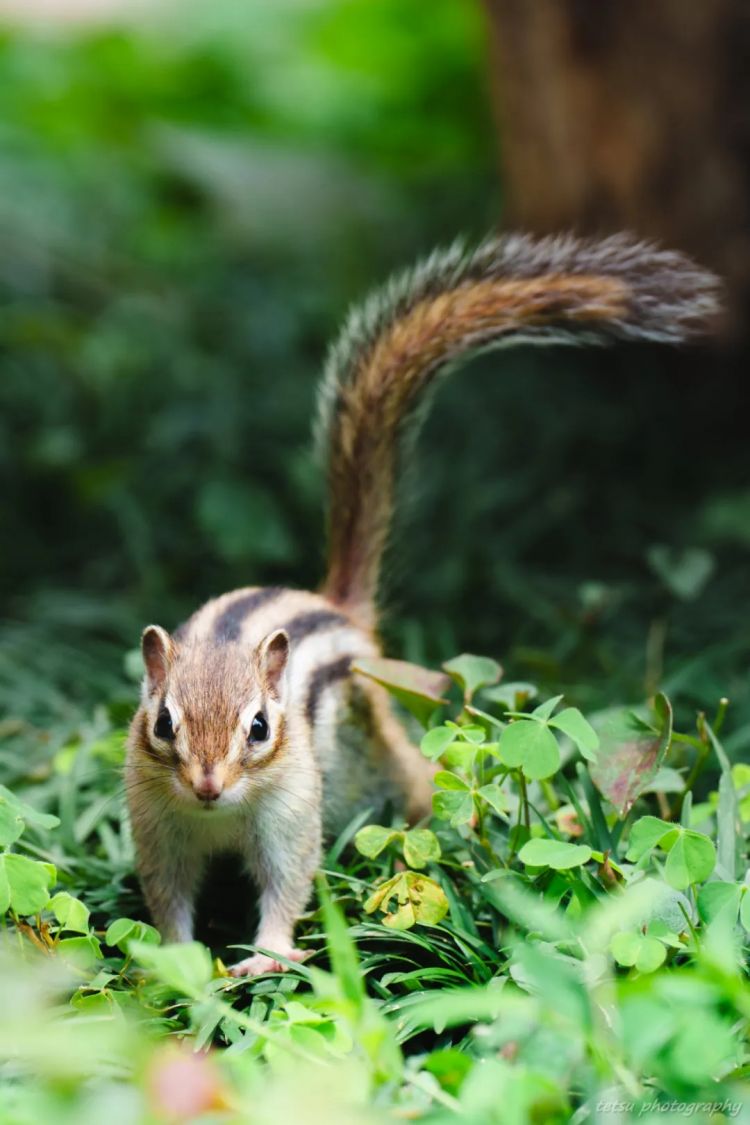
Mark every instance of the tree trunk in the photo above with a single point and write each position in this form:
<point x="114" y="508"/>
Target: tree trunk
<point x="629" y="115"/>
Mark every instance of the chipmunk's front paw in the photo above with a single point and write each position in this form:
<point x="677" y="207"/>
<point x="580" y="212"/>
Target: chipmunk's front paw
<point x="261" y="963"/>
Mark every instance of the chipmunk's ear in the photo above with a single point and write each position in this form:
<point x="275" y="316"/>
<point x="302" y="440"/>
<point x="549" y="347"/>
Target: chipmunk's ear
<point x="158" y="651"/>
<point x="273" y="654"/>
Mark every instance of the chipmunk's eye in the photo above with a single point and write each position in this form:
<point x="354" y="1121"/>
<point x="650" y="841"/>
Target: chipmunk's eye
<point x="163" y="726"/>
<point x="258" y="729"/>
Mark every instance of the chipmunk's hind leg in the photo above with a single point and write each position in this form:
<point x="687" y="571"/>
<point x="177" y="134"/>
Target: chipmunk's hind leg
<point x="369" y="763"/>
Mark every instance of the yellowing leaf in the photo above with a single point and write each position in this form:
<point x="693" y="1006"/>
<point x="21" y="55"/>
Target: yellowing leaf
<point x="419" y="898"/>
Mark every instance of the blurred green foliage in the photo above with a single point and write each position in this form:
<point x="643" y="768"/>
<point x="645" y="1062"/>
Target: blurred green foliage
<point x="187" y="207"/>
<point x="188" y="204"/>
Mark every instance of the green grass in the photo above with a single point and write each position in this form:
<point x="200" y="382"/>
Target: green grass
<point x="569" y="931"/>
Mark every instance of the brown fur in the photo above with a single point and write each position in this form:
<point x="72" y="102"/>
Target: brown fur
<point x="404" y="337"/>
<point x="395" y="372"/>
<point x="209" y="685"/>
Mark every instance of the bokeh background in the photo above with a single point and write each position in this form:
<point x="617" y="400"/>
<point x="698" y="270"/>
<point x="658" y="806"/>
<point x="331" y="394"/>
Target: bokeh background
<point x="191" y="195"/>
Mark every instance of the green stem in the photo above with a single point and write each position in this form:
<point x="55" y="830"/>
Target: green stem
<point x="479" y="810"/>
<point x="549" y="793"/>
<point x="700" y="760"/>
<point x="688" y="740"/>
<point x="689" y="921"/>
<point x="521" y="804"/>
<point x="524" y="800"/>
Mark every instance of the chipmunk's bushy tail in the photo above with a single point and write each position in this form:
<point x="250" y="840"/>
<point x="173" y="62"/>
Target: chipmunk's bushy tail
<point x="510" y="289"/>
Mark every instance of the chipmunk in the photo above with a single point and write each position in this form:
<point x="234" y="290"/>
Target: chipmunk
<point x="253" y="734"/>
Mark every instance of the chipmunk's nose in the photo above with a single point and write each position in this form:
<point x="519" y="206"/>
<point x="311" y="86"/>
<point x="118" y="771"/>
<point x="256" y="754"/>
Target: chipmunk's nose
<point x="207" y="788"/>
